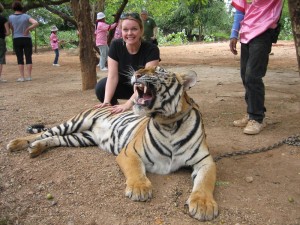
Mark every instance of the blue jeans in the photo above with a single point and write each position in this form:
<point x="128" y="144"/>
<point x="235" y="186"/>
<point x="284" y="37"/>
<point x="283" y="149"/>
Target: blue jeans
<point x="103" y="55"/>
<point x="254" y="63"/>
<point x="56" y="51"/>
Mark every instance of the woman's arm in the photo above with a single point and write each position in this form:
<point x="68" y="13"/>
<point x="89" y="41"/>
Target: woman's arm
<point x="7" y="30"/>
<point x="33" y="25"/>
<point x="112" y="80"/>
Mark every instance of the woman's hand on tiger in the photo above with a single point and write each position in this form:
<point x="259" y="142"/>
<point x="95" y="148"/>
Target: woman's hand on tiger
<point x="121" y="108"/>
<point x="101" y="105"/>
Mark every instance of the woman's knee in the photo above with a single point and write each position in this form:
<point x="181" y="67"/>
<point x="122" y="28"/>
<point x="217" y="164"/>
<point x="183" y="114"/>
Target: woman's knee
<point x="100" y="89"/>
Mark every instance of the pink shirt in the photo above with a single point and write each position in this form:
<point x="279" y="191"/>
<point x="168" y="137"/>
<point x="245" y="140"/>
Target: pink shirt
<point x="54" y="41"/>
<point x="118" y="33"/>
<point x="101" y="32"/>
<point x="260" y="15"/>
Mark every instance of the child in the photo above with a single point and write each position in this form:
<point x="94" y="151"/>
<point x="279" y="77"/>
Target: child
<point x="54" y="44"/>
<point x="101" y="38"/>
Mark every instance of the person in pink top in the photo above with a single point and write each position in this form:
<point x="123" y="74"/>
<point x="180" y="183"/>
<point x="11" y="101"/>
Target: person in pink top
<point x="101" y="38"/>
<point x="255" y="21"/>
<point x="54" y="44"/>
<point x="118" y="31"/>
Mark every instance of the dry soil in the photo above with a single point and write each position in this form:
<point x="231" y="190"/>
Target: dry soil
<point x="86" y="183"/>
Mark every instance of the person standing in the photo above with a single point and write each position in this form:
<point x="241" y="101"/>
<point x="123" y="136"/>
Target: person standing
<point x="255" y="22"/>
<point x="127" y="54"/>
<point x="4" y="31"/>
<point x="101" y="38"/>
<point x="118" y="31"/>
<point x="21" y="24"/>
<point x="150" y="28"/>
<point x="54" y="44"/>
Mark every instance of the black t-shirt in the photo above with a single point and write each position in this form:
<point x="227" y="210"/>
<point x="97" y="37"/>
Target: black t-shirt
<point x="3" y="20"/>
<point x="118" y="52"/>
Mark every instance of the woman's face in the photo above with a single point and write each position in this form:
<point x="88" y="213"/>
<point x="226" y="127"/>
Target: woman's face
<point x="131" y="31"/>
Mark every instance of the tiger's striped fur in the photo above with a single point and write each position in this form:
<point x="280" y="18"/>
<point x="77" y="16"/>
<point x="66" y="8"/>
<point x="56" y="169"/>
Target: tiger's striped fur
<point x="163" y="133"/>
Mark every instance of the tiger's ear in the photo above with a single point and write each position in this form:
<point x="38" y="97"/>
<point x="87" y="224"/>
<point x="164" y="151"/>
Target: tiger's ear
<point x="189" y="79"/>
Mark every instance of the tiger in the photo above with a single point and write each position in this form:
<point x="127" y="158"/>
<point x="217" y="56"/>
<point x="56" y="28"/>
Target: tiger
<point x="162" y="133"/>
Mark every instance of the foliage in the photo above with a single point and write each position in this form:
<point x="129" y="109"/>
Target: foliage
<point x="178" y="38"/>
<point x="178" y="20"/>
<point x="286" y="29"/>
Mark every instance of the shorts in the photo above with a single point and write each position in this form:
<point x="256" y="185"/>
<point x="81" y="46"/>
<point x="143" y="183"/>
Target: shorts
<point x="2" y="51"/>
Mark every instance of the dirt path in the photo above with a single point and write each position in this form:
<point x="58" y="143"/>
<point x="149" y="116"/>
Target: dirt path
<point x="86" y="183"/>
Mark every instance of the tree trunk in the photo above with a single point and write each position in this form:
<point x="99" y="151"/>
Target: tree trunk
<point x="88" y="60"/>
<point x="294" y="8"/>
<point x="117" y="17"/>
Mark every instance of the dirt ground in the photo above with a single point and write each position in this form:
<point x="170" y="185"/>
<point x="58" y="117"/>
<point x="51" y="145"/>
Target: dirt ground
<point x="88" y="187"/>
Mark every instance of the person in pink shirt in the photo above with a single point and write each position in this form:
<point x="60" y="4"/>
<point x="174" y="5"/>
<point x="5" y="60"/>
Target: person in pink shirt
<point x="255" y="22"/>
<point x="118" y="31"/>
<point x="101" y="38"/>
<point x="54" y="44"/>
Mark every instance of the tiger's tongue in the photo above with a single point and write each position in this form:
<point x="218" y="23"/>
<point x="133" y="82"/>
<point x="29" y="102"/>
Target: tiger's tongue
<point x="144" y="99"/>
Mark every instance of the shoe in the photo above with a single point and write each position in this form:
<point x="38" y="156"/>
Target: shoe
<point x="21" y="79"/>
<point x="28" y="78"/>
<point x="56" y="65"/>
<point x="254" y="127"/>
<point x="104" y="69"/>
<point x="241" y="122"/>
<point x="2" y="81"/>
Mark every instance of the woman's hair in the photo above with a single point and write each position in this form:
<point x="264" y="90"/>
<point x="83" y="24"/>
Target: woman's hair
<point x="133" y="16"/>
<point x="17" y="6"/>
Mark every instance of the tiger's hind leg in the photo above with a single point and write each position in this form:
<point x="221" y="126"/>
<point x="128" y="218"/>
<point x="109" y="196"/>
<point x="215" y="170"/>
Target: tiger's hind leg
<point x="83" y="139"/>
<point x="201" y="203"/>
<point x="22" y="143"/>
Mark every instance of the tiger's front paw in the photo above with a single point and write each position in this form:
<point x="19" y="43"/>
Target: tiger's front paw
<point x="202" y="206"/>
<point x="139" y="190"/>
<point x="17" y="144"/>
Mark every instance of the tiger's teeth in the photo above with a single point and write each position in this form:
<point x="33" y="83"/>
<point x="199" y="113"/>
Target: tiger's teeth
<point x="145" y="89"/>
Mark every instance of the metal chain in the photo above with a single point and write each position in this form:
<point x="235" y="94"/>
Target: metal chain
<point x="292" y="140"/>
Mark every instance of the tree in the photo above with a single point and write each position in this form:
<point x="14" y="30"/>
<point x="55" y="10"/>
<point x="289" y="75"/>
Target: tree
<point x="81" y="10"/>
<point x="294" y="7"/>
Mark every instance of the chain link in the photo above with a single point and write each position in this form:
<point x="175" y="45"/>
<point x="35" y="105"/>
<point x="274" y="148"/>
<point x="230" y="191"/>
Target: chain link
<point x="292" y="140"/>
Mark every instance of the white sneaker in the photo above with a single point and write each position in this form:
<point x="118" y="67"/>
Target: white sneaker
<point x="28" y="79"/>
<point x="2" y="81"/>
<point x="241" y="122"/>
<point x="56" y="65"/>
<point x="104" y="69"/>
<point x="21" y="79"/>
<point x="254" y="127"/>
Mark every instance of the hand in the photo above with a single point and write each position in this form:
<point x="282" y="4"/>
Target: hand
<point x="101" y="105"/>
<point x="121" y="108"/>
<point x="232" y="46"/>
<point x="26" y="32"/>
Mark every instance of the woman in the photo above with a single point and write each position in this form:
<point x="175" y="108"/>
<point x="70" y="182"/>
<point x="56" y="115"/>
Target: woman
<point x="21" y="24"/>
<point x="126" y="54"/>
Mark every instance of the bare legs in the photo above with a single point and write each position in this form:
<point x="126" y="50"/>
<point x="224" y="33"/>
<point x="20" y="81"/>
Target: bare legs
<point x="22" y="71"/>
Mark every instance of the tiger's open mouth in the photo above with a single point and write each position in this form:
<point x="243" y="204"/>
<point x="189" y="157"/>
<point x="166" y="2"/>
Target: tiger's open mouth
<point x="146" y="94"/>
